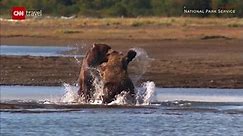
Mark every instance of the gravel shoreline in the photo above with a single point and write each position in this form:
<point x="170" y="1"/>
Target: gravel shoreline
<point x="202" y="53"/>
<point x="54" y="71"/>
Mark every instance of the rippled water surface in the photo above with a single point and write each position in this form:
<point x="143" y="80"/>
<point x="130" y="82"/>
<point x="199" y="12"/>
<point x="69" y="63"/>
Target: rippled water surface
<point x="174" y="112"/>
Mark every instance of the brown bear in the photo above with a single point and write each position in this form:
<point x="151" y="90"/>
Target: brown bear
<point x="93" y="58"/>
<point x="115" y="77"/>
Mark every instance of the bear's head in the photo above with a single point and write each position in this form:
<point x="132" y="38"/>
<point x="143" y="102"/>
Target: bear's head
<point x="97" y="54"/>
<point x="118" y="59"/>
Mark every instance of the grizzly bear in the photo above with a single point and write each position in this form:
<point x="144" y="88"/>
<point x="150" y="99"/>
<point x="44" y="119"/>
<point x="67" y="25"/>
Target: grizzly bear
<point x="115" y="77"/>
<point x="93" y="58"/>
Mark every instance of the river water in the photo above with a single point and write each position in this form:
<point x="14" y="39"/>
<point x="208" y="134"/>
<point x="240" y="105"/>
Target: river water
<point x="171" y="112"/>
<point x="52" y="111"/>
<point x="46" y="51"/>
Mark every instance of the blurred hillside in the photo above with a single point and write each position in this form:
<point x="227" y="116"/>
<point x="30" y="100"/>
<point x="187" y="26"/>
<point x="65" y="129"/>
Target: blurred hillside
<point x="125" y="8"/>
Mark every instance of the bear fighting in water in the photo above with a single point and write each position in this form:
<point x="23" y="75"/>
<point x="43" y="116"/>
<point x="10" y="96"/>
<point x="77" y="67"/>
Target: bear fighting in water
<point x="110" y="67"/>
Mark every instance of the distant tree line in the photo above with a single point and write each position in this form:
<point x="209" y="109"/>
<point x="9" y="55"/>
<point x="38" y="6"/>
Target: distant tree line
<point x="125" y="8"/>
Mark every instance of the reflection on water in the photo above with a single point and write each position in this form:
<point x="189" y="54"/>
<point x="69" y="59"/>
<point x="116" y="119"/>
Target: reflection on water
<point x="36" y="51"/>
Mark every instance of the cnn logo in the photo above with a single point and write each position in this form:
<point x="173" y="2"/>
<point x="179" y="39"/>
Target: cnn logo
<point x="18" y="13"/>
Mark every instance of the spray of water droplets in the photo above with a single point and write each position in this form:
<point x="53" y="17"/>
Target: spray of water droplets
<point x="139" y="65"/>
<point x="70" y="95"/>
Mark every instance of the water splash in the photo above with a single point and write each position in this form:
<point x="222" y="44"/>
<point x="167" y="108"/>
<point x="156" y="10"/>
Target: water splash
<point x="77" y="51"/>
<point x="149" y="93"/>
<point x="71" y="91"/>
<point x="99" y="85"/>
<point x="121" y="99"/>
<point x="77" y="60"/>
<point x="70" y="95"/>
<point x="146" y="94"/>
<point x="139" y="65"/>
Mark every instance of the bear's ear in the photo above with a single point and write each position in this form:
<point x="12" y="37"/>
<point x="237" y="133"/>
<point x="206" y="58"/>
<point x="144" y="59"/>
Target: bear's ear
<point x="131" y="54"/>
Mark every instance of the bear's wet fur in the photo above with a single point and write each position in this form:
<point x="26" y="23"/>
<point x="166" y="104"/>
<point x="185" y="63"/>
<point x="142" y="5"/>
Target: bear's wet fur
<point x="94" y="57"/>
<point x="115" y="76"/>
<point x="112" y="67"/>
